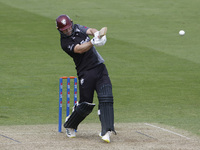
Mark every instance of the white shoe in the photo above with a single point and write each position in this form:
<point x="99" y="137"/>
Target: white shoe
<point x="71" y="133"/>
<point x="106" y="137"/>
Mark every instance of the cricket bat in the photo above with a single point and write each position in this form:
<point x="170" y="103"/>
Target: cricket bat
<point x="102" y="32"/>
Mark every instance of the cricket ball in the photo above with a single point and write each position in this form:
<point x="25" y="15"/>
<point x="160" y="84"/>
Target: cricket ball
<point x="181" y="32"/>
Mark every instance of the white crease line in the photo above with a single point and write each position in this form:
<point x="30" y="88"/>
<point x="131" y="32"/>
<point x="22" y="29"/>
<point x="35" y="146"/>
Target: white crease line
<point x="166" y="130"/>
<point x="25" y="143"/>
<point x="36" y="133"/>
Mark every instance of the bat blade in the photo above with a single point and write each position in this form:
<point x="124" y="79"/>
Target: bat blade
<point x="102" y="32"/>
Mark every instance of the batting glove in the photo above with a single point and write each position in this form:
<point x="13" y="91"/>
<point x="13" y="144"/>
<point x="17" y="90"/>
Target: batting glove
<point x="96" y="34"/>
<point x="99" y="41"/>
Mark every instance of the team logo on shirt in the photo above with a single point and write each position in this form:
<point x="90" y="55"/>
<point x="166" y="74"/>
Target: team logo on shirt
<point x="70" y="47"/>
<point x="86" y="40"/>
<point x="82" y="81"/>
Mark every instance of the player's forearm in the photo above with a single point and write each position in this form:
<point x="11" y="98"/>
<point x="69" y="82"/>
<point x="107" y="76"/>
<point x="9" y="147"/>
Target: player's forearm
<point x="91" y="31"/>
<point x="83" y="47"/>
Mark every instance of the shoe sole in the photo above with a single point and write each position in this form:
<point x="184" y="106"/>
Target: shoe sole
<point x="105" y="140"/>
<point x="71" y="137"/>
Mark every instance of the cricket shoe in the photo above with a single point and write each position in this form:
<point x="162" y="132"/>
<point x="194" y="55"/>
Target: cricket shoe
<point x="106" y="137"/>
<point x="71" y="133"/>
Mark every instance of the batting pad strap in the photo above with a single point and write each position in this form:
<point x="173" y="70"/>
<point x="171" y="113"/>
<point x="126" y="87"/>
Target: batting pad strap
<point x="78" y="115"/>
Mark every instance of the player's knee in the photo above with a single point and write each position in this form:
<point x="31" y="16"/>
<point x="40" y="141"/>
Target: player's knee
<point x="78" y="115"/>
<point x="105" y="94"/>
<point x="85" y="108"/>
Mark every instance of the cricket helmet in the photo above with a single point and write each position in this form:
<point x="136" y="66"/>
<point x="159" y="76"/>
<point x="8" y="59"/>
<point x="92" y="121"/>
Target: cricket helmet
<point x="63" y="22"/>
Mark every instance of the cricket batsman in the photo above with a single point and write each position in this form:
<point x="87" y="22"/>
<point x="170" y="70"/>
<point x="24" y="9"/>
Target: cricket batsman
<point x="92" y="75"/>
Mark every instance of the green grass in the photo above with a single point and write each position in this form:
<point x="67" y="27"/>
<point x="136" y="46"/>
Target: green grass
<point x="155" y="72"/>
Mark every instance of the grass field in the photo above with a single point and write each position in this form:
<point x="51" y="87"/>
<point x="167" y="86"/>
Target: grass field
<point x="155" y="72"/>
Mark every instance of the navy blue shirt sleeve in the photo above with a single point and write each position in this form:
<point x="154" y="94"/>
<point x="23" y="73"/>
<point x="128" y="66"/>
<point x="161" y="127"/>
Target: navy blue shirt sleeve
<point x="82" y="28"/>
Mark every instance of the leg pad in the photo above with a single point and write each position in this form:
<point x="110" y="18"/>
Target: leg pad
<point x="106" y="112"/>
<point x="106" y="116"/>
<point x="78" y="115"/>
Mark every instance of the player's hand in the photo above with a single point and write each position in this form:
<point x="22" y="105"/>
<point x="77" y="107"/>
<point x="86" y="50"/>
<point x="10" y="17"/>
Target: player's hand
<point x="99" y="41"/>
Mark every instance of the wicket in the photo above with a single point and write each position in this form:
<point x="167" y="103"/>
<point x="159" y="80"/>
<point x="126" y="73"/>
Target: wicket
<point x="67" y="98"/>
